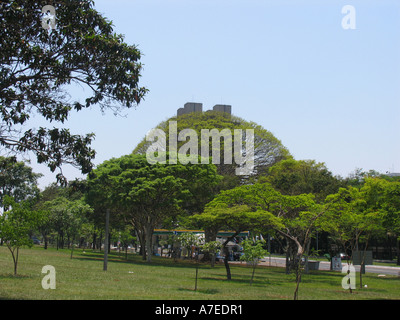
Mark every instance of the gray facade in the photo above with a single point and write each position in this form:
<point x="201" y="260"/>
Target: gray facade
<point x="190" y="107"/>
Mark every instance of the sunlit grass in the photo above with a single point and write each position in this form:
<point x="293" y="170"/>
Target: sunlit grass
<point x="83" y="278"/>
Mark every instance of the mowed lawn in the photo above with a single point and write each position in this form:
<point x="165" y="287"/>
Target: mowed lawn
<point x="83" y="278"/>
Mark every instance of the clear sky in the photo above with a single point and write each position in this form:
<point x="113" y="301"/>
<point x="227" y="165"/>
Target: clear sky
<point x="328" y="93"/>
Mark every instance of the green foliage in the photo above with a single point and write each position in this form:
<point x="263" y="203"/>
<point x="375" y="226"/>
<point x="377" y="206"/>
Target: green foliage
<point x="253" y="251"/>
<point x="37" y="66"/>
<point x="145" y="194"/>
<point x="267" y="148"/>
<point x="354" y="214"/>
<point x="15" y="226"/>
<point x="294" y="177"/>
<point x="66" y="217"/>
<point x="188" y="240"/>
<point x="17" y="180"/>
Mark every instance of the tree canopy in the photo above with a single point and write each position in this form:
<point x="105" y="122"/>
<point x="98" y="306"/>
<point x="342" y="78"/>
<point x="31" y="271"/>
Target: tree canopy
<point x="268" y="150"/>
<point x="37" y="66"/>
<point x="145" y="194"/>
<point x="17" y="180"/>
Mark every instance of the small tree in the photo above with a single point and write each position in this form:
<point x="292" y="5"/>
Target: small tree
<point x="188" y="240"/>
<point x="126" y="238"/>
<point x="15" y="226"/>
<point x="252" y="253"/>
<point x="212" y="247"/>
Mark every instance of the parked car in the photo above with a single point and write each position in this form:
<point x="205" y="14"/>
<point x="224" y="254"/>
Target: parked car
<point x="344" y="256"/>
<point x="36" y="241"/>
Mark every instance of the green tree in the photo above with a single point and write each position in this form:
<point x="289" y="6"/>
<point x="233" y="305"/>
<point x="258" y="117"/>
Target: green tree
<point x="253" y="251"/>
<point x="37" y="66"/>
<point x="294" y="177"/>
<point x="391" y="212"/>
<point x="267" y="148"/>
<point x="211" y="247"/>
<point x="260" y="207"/>
<point x="354" y="216"/>
<point x="145" y="194"/>
<point x="126" y="238"/>
<point x="188" y="240"/>
<point x="15" y="226"/>
<point x="220" y="214"/>
<point x="66" y="217"/>
<point x="17" y="180"/>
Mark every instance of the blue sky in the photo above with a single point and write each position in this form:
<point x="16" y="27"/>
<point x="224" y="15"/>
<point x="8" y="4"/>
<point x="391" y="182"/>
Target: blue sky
<point x="329" y="94"/>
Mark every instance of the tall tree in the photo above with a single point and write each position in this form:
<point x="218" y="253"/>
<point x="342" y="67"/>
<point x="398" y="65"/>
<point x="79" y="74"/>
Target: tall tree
<point x="66" y="217"/>
<point x="261" y="207"/>
<point x="294" y="177"/>
<point x="146" y="194"/>
<point x="268" y="149"/>
<point x="236" y="210"/>
<point x="354" y="216"/>
<point x="38" y="65"/>
<point x="17" y="180"/>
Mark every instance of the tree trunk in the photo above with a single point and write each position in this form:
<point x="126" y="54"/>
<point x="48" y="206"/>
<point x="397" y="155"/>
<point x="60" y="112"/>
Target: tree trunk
<point x="210" y="234"/>
<point x="16" y="262"/>
<point x="226" y="263"/>
<point x="254" y="270"/>
<point x="226" y="253"/>
<point x="15" y="257"/>
<point x="148" y="236"/>
<point x="94" y="241"/>
<point x="398" y="252"/>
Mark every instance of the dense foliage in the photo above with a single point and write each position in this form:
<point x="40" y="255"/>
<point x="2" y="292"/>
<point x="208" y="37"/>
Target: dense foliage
<point x="38" y="66"/>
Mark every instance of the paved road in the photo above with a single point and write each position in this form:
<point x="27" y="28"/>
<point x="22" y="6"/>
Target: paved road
<point x="325" y="265"/>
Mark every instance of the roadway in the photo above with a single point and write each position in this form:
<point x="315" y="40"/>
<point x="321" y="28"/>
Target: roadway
<point x="325" y="265"/>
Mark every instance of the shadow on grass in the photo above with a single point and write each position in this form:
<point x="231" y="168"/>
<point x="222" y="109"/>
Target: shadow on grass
<point x="137" y="260"/>
<point x="258" y="281"/>
<point x="12" y="276"/>
<point x="203" y="291"/>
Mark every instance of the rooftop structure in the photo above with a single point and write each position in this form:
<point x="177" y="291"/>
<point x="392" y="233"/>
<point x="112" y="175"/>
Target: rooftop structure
<point x="190" y="107"/>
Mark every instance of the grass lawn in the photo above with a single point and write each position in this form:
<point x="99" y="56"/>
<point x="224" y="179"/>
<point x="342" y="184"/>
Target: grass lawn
<point x="83" y="278"/>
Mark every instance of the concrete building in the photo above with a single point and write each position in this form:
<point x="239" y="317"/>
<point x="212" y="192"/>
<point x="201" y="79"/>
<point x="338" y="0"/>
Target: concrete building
<point x="393" y="174"/>
<point x="190" y="107"/>
<point x="223" y="108"/>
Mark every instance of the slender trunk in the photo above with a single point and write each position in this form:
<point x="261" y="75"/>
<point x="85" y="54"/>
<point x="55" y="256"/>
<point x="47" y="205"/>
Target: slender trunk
<point x="226" y="253"/>
<point x="398" y="251"/>
<point x="197" y="269"/>
<point x="213" y="260"/>
<point x="142" y="241"/>
<point x="16" y="262"/>
<point x="15" y="257"/>
<point x="94" y="241"/>
<point x="149" y="235"/>
<point x="296" y="291"/>
<point x="254" y="270"/>
<point x="226" y="263"/>
<point x="362" y="263"/>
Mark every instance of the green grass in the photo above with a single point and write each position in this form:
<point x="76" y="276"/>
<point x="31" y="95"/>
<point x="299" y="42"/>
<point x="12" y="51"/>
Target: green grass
<point x="83" y="278"/>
